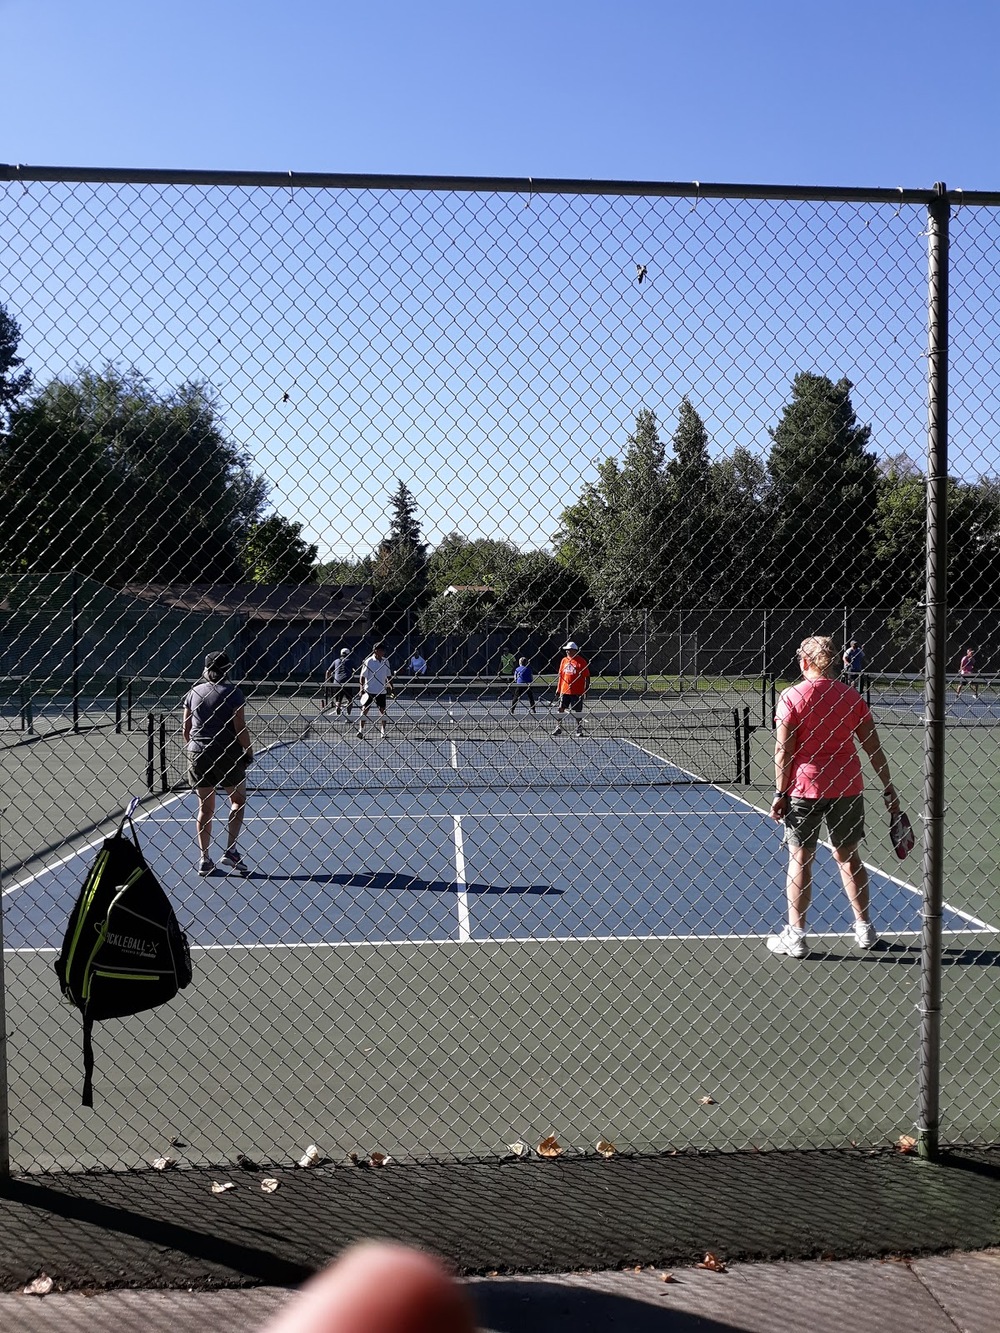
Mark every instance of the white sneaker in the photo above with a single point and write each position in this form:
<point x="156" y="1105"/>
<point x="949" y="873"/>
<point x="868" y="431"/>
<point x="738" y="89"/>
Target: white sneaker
<point x="557" y="732"/>
<point x="234" y="863"/>
<point x="791" y="942"/>
<point x="206" y="865"/>
<point x="864" y="935"/>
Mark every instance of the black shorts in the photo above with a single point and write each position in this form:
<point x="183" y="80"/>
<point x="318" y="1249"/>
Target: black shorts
<point x="215" y="767"/>
<point x="571" y="703"/>
<point x="377" y="699"/>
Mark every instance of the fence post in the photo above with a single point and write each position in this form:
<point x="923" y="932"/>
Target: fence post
<point x="4" y="1102"/>
<point x="935" y="647"/>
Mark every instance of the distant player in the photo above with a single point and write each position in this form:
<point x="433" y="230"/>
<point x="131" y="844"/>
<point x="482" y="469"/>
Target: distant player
<point x="339" y="690"/>
<point x="376" y="685"/>
<point x="571" y="686"/>
<point x="967" y="669"/>
<point x="523" y="678"/>
<point x="418" y="664"/>
<point x="854" y="663"/>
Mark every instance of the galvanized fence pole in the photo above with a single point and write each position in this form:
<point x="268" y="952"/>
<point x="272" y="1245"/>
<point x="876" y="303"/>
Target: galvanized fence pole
<point x="935" y="686"/>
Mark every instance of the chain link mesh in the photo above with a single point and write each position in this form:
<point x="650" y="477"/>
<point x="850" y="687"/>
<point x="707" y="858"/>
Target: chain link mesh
<point x="476" y="426"/>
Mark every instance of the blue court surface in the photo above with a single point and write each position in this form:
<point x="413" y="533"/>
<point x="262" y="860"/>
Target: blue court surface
<point x="371" y="867"/>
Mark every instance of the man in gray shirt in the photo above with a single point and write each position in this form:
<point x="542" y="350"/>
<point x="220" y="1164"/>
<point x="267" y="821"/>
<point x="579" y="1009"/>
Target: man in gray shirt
<point x="219" y="752"/>
<point x="339" y="690"/>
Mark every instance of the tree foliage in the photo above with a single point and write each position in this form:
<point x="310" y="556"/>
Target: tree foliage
<point x="276" y="552"/>
<point x="102" y="474"/>
<point x="14" y="381"/>
<point x="398" y="567"/>
<point x="823" y="497"/>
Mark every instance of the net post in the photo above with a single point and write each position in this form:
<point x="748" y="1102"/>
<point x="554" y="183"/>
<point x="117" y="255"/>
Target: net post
<point x="128" y="706"/>
<point x="150" y="753"/>
<point x="747" y="732"/>
<point x="118" y="705"/>
<point x="164" y="786"/>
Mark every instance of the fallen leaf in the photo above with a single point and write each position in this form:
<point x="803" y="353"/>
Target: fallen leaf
<point x="519" y="1149"/>
<point x="713" y="1263"/>
<point x="353" y="1157"/>
<point x="549" y="1147"/>
<point x="269" y="1184"/>
<point x="605" y="1148"/>
<point x="906" y="1143"/>
<point x="41" y="1286"/>
<point x="379" y="1159"/>
<point x="311" y="1156"/>
<point x="667" y="1277"/>
<point x="706" y="1101"/>
<point x="163" y="1163"/>
<point x="218" y="1188"/>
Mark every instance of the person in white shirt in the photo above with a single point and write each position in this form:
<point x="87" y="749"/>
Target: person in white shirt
<point x="376" y="685"/>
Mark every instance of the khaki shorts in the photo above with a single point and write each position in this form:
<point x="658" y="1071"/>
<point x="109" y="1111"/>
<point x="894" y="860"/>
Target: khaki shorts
<point x="218" y="768"/>
<point x="844" y="815"/>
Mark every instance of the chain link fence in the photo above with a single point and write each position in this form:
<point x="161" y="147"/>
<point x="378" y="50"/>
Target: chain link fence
<point x="476" y="422"/>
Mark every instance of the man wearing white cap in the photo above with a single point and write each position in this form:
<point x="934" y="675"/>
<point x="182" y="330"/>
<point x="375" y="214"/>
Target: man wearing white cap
<point x="339" y="676"/>
<point x="574" y="677"/>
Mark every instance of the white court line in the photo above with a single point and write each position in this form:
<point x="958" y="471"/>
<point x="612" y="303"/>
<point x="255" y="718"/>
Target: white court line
<point x="522" y="939"/>
<point x="461" y="883"/>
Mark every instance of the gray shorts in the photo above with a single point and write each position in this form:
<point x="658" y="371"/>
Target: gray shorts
<point x="844" y="815"/>
<point x="218" y="768"/>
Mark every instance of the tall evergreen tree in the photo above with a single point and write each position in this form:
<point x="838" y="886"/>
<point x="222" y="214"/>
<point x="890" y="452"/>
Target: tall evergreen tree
<point x="823" y="498"/>
<point x="689" y="529"/>
<point x="613" y="536"/>
<point x="399" y="568"/>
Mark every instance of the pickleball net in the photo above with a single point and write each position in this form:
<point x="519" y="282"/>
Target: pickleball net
<point x="442" y="747"/>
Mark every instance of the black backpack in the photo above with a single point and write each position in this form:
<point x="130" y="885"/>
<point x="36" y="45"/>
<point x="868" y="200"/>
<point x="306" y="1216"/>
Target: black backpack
<point x="124" y="950"/>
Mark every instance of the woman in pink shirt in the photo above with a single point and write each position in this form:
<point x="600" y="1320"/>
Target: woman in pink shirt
<point x="817" y="774"/>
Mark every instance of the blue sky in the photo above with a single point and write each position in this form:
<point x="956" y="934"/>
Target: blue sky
<point x="876" y="93"/>
<point x="490" y="356"/>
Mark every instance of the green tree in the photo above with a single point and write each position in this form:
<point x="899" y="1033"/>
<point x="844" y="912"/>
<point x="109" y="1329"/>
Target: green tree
<point x="613" y="536"/>
<point x="104" y="475"/>
<point x="14" y="382"/>
<point x="689" y="527"/>
<point x="735" y="547"/>
<point x="344" y="572"/>
<point x="399" y="568"/>
<point x="463" y="562"/>
<point x="823" y="497"/>
<point x="276" y="552"/>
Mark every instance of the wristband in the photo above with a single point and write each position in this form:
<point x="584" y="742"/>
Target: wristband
<point x="781" y="795"/>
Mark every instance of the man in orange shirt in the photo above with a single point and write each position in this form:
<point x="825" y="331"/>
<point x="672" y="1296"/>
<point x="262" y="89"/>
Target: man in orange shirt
<point x="574" y="677"/>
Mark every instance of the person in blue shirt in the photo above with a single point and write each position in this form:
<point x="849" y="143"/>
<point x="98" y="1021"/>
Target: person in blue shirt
<point x="523" y="677"/>
<point x="854" y="663"/>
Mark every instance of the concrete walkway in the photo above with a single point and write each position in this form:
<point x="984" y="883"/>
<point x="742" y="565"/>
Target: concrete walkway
<point x="935" y="1294"/>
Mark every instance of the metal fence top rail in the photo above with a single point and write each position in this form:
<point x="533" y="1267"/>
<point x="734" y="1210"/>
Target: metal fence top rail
<point x="530" y="185"/>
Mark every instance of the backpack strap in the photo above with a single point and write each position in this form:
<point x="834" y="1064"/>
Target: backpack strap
<point x="127" y="819"/>
<point x="88" y="1061"/>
